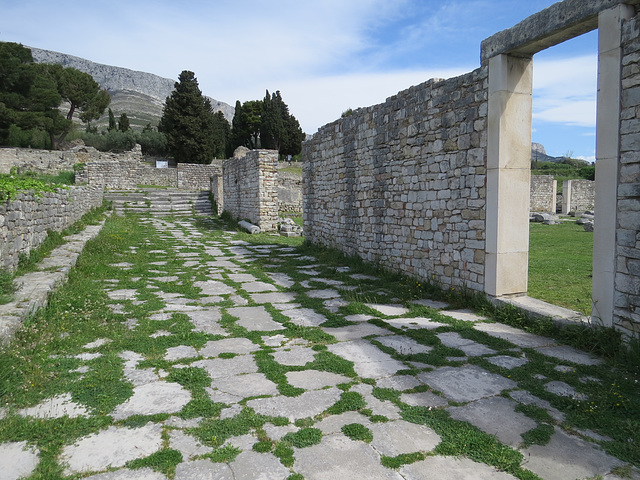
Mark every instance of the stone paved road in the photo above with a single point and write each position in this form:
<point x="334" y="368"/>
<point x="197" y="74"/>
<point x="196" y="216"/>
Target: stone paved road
<point x="343" y="407"/>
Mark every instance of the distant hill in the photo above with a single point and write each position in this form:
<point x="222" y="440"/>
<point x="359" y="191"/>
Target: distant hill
<point x="138" y="94"/>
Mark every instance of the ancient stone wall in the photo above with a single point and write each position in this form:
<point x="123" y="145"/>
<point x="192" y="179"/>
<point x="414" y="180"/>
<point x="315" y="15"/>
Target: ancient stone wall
<point x="627" y="275"/>
<point x="25" y="221"/>
<point x="53" y="161"/>
<point x="250" y="188"/>
<point x="543" y="193"/>
<point x="191" y="176"/>
<point x="289" y="192"/>
<point x="403" y="183"/>
<point x="217" y="194"/>
<point x="578" y="195"/>
<point x="126" y="174"/>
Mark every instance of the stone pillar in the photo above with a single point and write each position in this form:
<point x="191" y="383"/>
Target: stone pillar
<point x="607" y="158"/>
<point x="566" y="196"/>
<point x="508" y="175"/>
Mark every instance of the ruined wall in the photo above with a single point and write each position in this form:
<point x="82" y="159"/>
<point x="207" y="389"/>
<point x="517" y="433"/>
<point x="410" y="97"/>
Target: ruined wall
<point x="217" y="194"/>
<point x="53" y="161"/>
<point x="126" y="174"/>
<point x="578" y="195"/>
<point x="289" y="192"/>
<point x="191" y="176"/>
<point x="24" y="222"/>
<point x="403" y="183"/>
<point x="543" y="194"/>
<point x="627" y="277"/>
<point x="250" y="188"/>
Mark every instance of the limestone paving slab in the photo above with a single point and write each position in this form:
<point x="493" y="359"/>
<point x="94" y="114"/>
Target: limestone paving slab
<point x="399" y="437"/>
<point x="451" y="468"/>
<point x="214" y="287"/>
<point x="507" y="361"/>
<point x="56" y="407"/>
<point x="186" y="444"/>
<point x="309" y="404"/>
<point x="17" y="460"/>
<point x="112" y="447"/>
<point x="315" y="379"/>
<point x="566" y="456"/>
<point x="257" y="287"/>
<point x="369" y="361"/>
<point x="516" y="336"/>
<point x="240" y="346"/>
<point x="179" y="352"/>
<point x="227" y="367"/>
<point x="355" y="332"/>
<point x="334" y="423"/>
<point x="469" y="347"/>
<point x="403" y="345"/>
<point x="275" y="297"/>
<point x="126" y="474"/>
<point x="399" y="382"/>
<point x="305" y="317"/>
<point x="569" y="354"/>
<point x="152" y="398"/>
<point x="424" y="399"/>
<point x="496" y="416"/>
<point x="414" y="323"/>
<point x="338" y="457"/>
<point x="467" y="383"/>
<point x="392" y="310"/>
<point x="295" y="356"/>
<point x="378" y="407"/>
<point x="247" y="385"/>
<point x="207" y="321"/>
<point x="255" y="319"/>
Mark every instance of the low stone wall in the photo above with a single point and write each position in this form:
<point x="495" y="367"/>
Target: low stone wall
<point x="626" y="314"/>
<point x="289" y="192"/>
<point x="127" y="174"/>
<point x="543" y="193"/>
<point x="53" y="161"/>
<point x="403" y="183"/>
<point x="250" y="188"/>
<point x="25" y="221"/>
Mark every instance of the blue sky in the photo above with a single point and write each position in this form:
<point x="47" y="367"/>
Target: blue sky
<point x="325" y="56"/>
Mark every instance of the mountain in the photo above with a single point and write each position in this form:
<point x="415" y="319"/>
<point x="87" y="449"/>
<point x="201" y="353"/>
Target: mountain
<point x="140" y="95"/>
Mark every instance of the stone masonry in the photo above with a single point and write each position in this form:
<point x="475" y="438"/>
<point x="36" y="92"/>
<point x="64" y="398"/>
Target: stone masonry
<point x="543" y="193"/>
<point x="25" y="221"/>
<point x="627" y="276"/>
<point x="579" y="195"/>
<point x="250" y="188"/>
<point x="403" y="183"/>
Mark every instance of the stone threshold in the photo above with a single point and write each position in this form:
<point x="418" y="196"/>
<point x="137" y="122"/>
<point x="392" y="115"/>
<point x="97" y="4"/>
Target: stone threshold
<point x="34" y="287"/>
<point x="539" y="309"/>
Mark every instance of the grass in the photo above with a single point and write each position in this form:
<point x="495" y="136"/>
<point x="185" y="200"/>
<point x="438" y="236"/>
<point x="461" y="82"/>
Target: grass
<point x="43" y="359"/>
<point x="560" y="265"/>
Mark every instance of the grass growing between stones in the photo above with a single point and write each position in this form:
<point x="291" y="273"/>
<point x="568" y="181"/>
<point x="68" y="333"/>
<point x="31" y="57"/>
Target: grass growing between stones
<point x="560" y="265"/>
<point x="130" y="258"/>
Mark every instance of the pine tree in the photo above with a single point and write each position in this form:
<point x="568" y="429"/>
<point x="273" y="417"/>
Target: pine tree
<point x="112" y="121"/>
<point x="123" y="123"/>
<point x="188" y="122"/>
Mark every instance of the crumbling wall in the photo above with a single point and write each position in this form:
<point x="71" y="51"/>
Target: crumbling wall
<point x="289" y="192"/>
<point x="25" y="221"/>
<point x="403" y="183"/>
<point x="250" y="188"/>
<point x="543" y="193"/>
<point x="627" y="276"/>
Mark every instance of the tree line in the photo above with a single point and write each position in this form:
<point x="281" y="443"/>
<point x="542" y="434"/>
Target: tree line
<point x="190" y="131"/>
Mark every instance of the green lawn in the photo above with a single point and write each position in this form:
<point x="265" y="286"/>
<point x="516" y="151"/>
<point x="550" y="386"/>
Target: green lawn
<point x="560" y="269"/>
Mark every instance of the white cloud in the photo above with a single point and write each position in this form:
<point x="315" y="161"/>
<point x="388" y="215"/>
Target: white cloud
<point x="565" y="90"/>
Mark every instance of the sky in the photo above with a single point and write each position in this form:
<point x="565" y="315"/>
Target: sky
<point x="324" y="56"/>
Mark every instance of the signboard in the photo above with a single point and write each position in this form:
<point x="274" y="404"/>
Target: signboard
<point x="162" y="163"/>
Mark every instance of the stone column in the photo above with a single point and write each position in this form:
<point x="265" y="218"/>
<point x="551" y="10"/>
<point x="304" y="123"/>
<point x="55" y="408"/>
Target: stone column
<point x="508" y="175"/>
<point x="607" y="158"/>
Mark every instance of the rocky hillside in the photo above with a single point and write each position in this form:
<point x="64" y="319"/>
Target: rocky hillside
<point x="138" y="94"/>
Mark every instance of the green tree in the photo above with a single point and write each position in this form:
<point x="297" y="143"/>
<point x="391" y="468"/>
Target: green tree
<point x="112" y="121"/>
<point x="279" y="130"/>
<point x="123" y="123"/>
<point x="246" y="124"/>
<point x="188" y="122"/>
